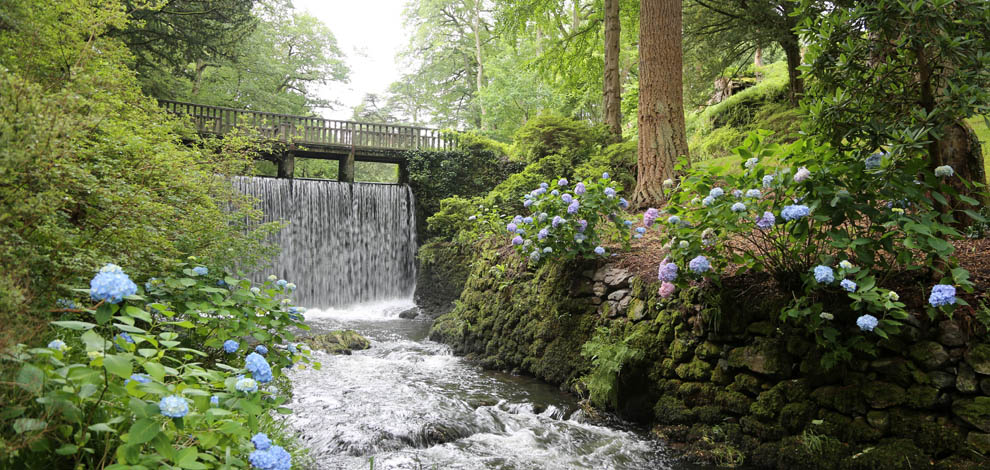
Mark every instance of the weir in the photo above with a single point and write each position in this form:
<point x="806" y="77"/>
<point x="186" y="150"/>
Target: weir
<point x="345" y="243"/>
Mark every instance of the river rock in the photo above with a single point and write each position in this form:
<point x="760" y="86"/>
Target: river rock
<point x="410" y="313"/>
<point x="929" y="354"/>
<point x="338" y="342"/>
<point x="978" y="357"/>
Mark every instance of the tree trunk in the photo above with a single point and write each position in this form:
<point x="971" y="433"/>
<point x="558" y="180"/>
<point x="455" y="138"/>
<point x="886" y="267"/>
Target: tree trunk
<point x="792" y="49"/>
<point x="477" y="53"/>
<point x="613" y="89"/>
<point x="662" y="138"/>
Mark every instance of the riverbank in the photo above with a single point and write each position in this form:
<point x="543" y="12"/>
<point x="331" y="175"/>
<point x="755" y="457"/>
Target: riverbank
<point x="720" y="378"/>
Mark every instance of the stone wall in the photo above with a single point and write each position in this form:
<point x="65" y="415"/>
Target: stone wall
<point x="723" y="382"/>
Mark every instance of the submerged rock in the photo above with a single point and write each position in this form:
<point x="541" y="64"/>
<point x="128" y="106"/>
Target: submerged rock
<point x="338" y="342"/>
<point x="410" y="313"/>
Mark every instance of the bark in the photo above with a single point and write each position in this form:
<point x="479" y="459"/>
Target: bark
<point x="662" y="138"/>
<point x="613" y="90"/>
<point x="479" y="77"/>
<point x="792" y="50"/>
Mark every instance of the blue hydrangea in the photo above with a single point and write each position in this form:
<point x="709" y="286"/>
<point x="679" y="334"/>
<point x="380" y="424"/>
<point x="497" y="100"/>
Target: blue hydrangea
<point x="640" y="230"/>
<point x="738" y="207"/>
<point x="700" y="264"/>
<point x="867" y="322"/>
<point x="566" y="198"/>
<point x="562" y="182"/>
<point x="573" y="207"/>
<point x="58" y="345"/>
<point x="246" y="385"/>
<point x="707" y="201"/>
<point x="215" y="400"/>
<point x="579" y="237"/>
<point x="527" y="220"/>
<point x="579" y="189"/>
<point x="66" y="303"/>
<point x="610" y="192"/>
<point x="942" y="294"/>
<point x="230" y="346"/>
<point x="527" y="203"/>
<point x="766" y="220"/>
<point x="751" y="162"/>
<point x="848" y="285"/>
<point x="543" y="233"/>
<point x="605" y="176"/>
<point x="261" y="441"/>
<point x="139" y="378"/>
<point x="557" y="221"/>
<point x="201" y="270"/>
<point x="737" y="193"/>
<point x="824" y="274"/>
<point x="544" y="185"/>
<point x="873" y="161"/>
<point x="261" y="349"/>
<point x="944" y="171"/>
<point x="111" y="284"/>
<point x="282" y="283"/>
<point x="258" y="367"/>
<point x="716" y="192"/>
<point x="555" y="193"/>
<point x="599" y="250"/>
<point x="534" y="256"/>
<point x="668" y="272"/>
<point x="517" y="219"/>
<point x="542" y="217"/>
<point x="623" y="203"/>
<point x="292" y="348"/>
<point x="123" y="336"/>
<point x="273" y="458"/>
<point x="794" y="212"/>
<point x="582" y="225"/>
<point x="511" y="227"/>
<point x="673" y="220"/>
<point x="173" y="406"/>
<point x="754" y="193"/>
<point x="767" y="181"/>
<point x="517" y="240"/>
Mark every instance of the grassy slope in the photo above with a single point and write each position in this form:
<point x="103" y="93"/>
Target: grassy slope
<point x="983" y="133"/>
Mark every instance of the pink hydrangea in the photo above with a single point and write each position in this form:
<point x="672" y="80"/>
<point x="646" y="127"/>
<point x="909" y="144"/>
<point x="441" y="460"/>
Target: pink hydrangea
<point x="666" y="289"/>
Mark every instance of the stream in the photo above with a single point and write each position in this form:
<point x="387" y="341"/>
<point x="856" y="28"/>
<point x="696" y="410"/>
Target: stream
<point x="408" y="403"/>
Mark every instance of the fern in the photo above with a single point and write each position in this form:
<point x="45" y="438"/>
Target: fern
<point x="608" y="356"/>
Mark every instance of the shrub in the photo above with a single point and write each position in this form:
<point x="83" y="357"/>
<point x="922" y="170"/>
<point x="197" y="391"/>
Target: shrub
<point x="554" y="135"/>
<point x="618" y="160"/>
<point x="829" y="227"/>
<point x="568" y="221"/>
<point x="144" y="377"/>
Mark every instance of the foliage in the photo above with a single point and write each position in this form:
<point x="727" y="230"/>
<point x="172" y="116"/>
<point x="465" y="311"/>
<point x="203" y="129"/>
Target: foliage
<point x="147" y="381"/>
<point x="618" y="160"/>
<point x="875" y="86"/>
<point x="608" y="356"/>
<point x="435" y="176"/>
<point x="92" y="169"/>
<point x="549" y="135"/>
<point x="862" y="220"/>
<point x="568" y="223"/>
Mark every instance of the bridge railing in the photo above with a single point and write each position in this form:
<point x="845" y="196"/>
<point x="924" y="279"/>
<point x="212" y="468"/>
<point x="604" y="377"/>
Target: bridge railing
<point x="311" y="131"/>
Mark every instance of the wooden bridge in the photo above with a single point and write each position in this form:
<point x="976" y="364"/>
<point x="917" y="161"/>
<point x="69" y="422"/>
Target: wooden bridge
<point x="312" y="137"/>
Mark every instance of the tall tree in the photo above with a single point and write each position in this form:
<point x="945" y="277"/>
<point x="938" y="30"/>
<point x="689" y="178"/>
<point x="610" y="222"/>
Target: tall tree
<point x="662" y="137"/>
<point x="612" y="92"/>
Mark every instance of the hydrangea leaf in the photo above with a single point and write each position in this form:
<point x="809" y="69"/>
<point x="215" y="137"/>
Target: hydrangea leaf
<point x="118" y="365"/>
<point x="74" y="325"/>
<point x="143" y="430"/>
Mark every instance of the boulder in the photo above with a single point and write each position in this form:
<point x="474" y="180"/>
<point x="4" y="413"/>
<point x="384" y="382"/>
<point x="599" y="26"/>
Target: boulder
<point x="929" y="354"/>
<point x="978" y="357"/>
<point x="617" y="277"/>
<point x="410" y="313"/>
<point x="618" y="295"/>
<point x="338" y="342"/>
<point x="766" y="357"/>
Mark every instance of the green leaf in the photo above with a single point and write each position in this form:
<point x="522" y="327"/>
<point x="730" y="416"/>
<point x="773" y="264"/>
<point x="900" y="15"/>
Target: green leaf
<point x="187" y="282"/>
<point x="182" y="324"/>
<point x="93" y="341"/>
<point x="102" y="427"/>
<point x="31" y="379"/>
<point x="186" y="457"/>
<point x="138" y="313"/>
<point x="103" y="313"/>
<point x="129" y="329"/>
<point x="155" y="370"/>
<point x="143" y="430"/>
<point x="118" y="365"/>
<point x="23" y="425"/>
<point x="74" y="325"/>
<point x="67" y="449"/>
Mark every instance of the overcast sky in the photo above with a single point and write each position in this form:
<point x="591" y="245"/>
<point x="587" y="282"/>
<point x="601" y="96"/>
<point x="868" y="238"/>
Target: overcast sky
<point x="370" y="33"/>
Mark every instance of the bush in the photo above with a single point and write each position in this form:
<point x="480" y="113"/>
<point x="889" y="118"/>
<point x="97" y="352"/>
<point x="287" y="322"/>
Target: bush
<point x="554" y="135"/>
<point x="157" y="379"/>
<point x="618" y="160"/>
<point x="829" y="227"/>
<point x="570" y="223"/>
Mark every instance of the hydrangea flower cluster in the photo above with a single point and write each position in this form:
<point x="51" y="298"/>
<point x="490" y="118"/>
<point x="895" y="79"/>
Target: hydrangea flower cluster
<point x="824" y="274"/>
<point x="942" y="294"/>
<point x="801" y="175"/>
<point x="230" y="346"/>
<point x="111" y="284"/>
<point x="246" y="385"/>
<point x="766" y="221"/>
<point x="258" y="367"/>
<point x="767" y="181"/>
<point x="599" y="250"/>
<point x="794" y="212"/>
<point x="867" y="322"/>
<point x="282" y="283"/>
<point x="668" y="272"/>
<point x="944" y="171"/>
<point x="848" y="285"/>
<point x="139" y="378"/>
<point x="650" y="216"/>
<point x="873" y="161"/>
<point x="751" y="162"/>
<point x="57" y="345"/>
<point x="201" y="270"/>
<point x="66" y="303"/>
<point x="754" y="194"/>
<point x="700" y="264"/>
<point x="173" y="406"/>
<point x="738" y="207"/>
<point x="261" y="349"/>
<point x="268" y="456"/>
<point x="666" y="289"/>
<point x="215" y="400"/>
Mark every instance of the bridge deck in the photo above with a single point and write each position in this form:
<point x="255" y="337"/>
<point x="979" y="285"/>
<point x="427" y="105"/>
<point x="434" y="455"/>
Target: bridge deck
<point x="313" y="137"/>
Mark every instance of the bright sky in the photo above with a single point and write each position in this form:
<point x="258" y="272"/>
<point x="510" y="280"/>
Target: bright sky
<point x="370" y="33"/>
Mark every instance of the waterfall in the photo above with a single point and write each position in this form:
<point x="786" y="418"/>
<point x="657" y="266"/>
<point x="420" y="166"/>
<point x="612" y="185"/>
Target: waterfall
<point x="345" y="243"/>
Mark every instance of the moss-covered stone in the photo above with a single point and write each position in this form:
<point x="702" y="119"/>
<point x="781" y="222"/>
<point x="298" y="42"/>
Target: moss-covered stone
<point x="795" y="416"/>
<point x="882" y="395"/>
<point x="694" y="370"/>
<point x="929" y="354"/>
<point x="708" y="414"/>
<point x="680" y="350"/>
<point x="765" y="356"/>
<point x="734" y="402"/>
<point x="846" y="399"/>
<point x="978" y="357"/>
<point x="895" y="369"/>
<point x="338" y="342"/>
<point x="763" y="431"/>
<point x="878" y="419"/>
<point x="707" y="351"/>
<point x="761" y="328"/>
<point x="746" y="383"/>
<point x="721" y="373"/>
<point x="670" y="410"/>
<point x="959" y="462"/>
<point x="975" y="411"/>
<point x="809" y="452"/>
<point x="979" y="442"/>
<point x="921" y="396"/>
<point x="937" y="436"/>
<point x="891" y="454"/>
<point x="768" y="404"/>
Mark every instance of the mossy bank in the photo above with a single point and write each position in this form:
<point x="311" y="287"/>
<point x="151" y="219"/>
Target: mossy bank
<point x="721" y="381"/>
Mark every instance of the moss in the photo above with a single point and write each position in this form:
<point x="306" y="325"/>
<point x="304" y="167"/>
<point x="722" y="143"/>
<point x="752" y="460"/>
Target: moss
<point x="761" y="328"/>
<point x="958" y="462"/>
<point x="978" y="357"/>
<point x="670" y="410"/>
<point x="679" y="350"/>
<point x="921" y="396"/>
<point x="929" y="354"/>
<point x="795" y="416"/>
<point x="897" y="370"/>
<point x="746" y="383"/>
<point x="882" y="395"/>
<point x="845" y="399"/>
<point x="936" y="436"/>
<point x="338" y="342"/>
<point x="891" y="454"/>
<point x="765" y="356"/>
<point x="695" y="370"/>
<point x="734" y="402"/>
<point x="708" y="414"/>
<point x="809" y="452"/>
<point x="769" y="403"/>
<point x="763" y="431"/>
<point x="707" y="351"/>
<point x="974" y="411"/>
<point x="980" y="442"/>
